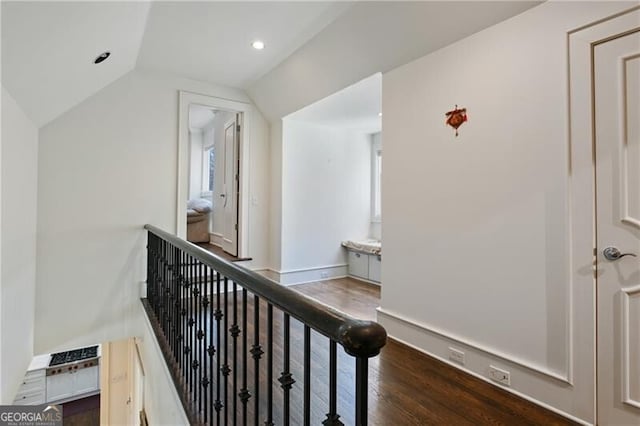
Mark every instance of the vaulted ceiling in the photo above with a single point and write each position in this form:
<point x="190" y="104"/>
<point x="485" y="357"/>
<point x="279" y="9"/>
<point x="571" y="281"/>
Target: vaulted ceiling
<point x="48" y="48"/>
<point x="212" y="41"/>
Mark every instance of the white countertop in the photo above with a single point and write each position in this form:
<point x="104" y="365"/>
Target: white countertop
<point x="39" y="362"/>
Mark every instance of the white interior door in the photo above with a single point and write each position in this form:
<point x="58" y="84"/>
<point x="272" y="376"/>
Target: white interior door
<point x="617" y="135"/>
<point x="231" y="186"/>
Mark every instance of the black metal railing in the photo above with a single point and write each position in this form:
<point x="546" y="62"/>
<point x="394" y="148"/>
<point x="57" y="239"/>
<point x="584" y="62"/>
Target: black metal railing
<point x="206" y="311"/>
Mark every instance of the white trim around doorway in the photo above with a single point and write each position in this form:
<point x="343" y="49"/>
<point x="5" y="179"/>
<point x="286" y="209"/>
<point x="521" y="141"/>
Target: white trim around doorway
<point x="182" y="186"/>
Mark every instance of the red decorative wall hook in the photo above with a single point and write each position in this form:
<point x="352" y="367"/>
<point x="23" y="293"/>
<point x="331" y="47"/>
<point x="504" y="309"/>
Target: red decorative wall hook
<point x="456" y="117"/>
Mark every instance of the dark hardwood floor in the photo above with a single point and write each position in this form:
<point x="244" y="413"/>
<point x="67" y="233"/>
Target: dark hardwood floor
<point x="211" y="248"/>
<point x="407" y="387"/>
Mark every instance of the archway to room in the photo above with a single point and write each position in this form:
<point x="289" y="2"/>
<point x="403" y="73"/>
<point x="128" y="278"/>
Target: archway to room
<point x="331" y="198"/>
<point x="212" y="156"/>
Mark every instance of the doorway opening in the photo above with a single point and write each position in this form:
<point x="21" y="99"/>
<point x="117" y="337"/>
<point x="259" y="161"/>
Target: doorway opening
<point x="214" y="166"/>
<point x="211" y="156"/>
<point x="331" y="197"/>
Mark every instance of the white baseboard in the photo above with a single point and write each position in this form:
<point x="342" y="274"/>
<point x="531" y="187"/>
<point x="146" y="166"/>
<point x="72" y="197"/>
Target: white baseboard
<point x="364" y="280"/>
<point x="432" y="332"/>
<point x="215" y="239"/>
<point x="540" y="387"/>
<point x="308" y="275"/>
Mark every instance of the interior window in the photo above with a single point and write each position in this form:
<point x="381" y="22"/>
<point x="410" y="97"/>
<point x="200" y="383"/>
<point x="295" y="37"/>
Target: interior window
<point x="208" y="169"/>
<point x="376" y="210"/>
<point x="212" y="164"/>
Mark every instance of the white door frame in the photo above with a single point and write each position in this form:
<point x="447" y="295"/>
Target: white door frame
<point x="185" y="100"/>
<point x="582" y="168"/>
<point x="231" y="195"/>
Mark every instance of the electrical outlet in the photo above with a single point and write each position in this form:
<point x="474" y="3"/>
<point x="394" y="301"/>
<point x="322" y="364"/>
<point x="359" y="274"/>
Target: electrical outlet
<point x="499" y="375"/>
<point x="456" y="355"/>
<point x="324" y="274"/>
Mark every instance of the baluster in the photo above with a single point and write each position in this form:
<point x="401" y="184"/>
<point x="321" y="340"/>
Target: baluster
<point x="163" y="271"/>
<point x="163" y="288"/>
<point x="201" y="308"/>
<point x="176" y="299"/>
<point x="244" y="392"/>
<point x="185" y="319"/>
<point x="187" y="336"/>
<point x="150" y="263"/>
<point x="218" y="316"/>
<point x="168" y="308"/>
<point x="172" y="297"/>
<point x="333" y="417"/>
<point x="151" y="259"/>
<point x="176" y="295"/>
<point x="361" y="390"/>
<point x="269" y="421"/>
<point x="179" y="319"/>
<point x="256" y="352"/>
<point x="156" y="275"/>
<point x="286" y="380"/>
<point x="190" y="323"/>
<point x="183" y="311"/>
<point x="226" y="370"/>
<point x="192" y="330"/>
<point x="156" y="283"/>
<point x="168" y="288"/>
<point x="206" y="325"/>
<point x="307" y="375"/>
<point x="211" y="350"/>
<point x="235" y="332"/>
<point x="187" y="305"/>
<point x="159" y="288"/>
<point x="194" y="315"/>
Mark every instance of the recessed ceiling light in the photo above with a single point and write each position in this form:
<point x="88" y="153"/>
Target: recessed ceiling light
<point x="379" y="114"/>
<point x="102" y="57"/>
<point x="258" y="45"/>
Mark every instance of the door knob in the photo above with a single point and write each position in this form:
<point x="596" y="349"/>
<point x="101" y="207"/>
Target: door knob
<point x="612" y="253"/>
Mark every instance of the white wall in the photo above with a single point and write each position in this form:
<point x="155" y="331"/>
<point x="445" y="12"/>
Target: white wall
<point x="195" y="164"/>
<point x="326" y="196"/>
<point x="18" y="216"/>
<point x="106" y="168"/>
<point x="161" y="400"/>
<point x="275" y="196"/>
<point x="477" y="227"/>
<point x="327" y="64"/>
<point x="259" y="170"/>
